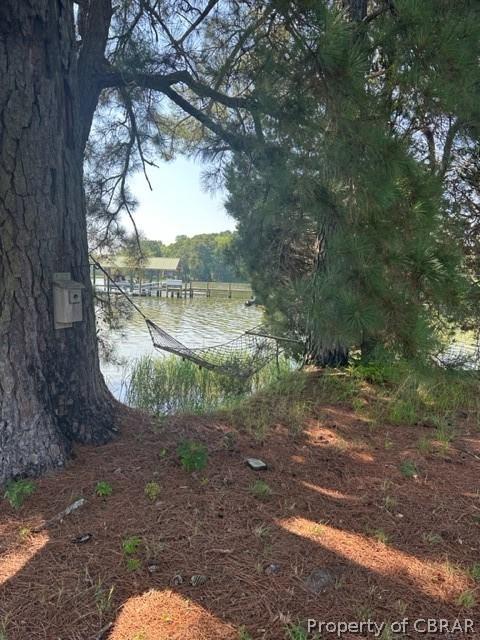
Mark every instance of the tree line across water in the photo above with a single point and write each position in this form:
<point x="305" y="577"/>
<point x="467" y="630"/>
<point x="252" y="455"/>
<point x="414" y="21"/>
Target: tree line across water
<point x="206" y="257"/>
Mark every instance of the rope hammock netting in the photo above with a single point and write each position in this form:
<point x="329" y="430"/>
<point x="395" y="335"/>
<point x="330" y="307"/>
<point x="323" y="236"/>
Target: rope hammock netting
<point x="240" y="357"/>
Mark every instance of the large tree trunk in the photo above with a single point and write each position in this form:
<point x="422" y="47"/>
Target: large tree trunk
<point x="51" y="388"/>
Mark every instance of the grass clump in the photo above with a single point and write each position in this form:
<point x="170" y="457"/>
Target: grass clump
<point x="168" y="385"/>
<point x="380" y="536"/>
<point x="475" y="572"/>
<point x="103" y="489"/>
<point x="389" y="390"/>
<point x="133" y="564"/>
<point x="409" y="392"/>
<point x="285" y="401"/>
<point x="390" y="503"/>
<point x="296" y="632"/>
<point x="262" y="531"/>
<point x="424" y="445"/>
<point x="103" y="599"/>
<point x="432" y="538"/>
<point x="24" y="533"/>
<point x="466" y="600"/>
<point x="17" y="491"/>
<point x="409" y="469"/>
<point x="131" y="545"/>
<point x="243" y="633"/>
<point x="3" y="629"/>
<point x="193" y="455"/>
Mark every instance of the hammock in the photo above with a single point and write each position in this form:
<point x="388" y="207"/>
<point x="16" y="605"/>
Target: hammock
<point x="241" y="357"/>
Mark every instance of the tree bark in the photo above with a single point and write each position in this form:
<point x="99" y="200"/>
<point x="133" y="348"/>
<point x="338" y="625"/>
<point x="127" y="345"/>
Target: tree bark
<point x="51" y="388"/>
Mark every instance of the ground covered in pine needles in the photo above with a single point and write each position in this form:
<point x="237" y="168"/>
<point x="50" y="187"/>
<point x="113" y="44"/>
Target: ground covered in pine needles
<point x="352" y="520"/>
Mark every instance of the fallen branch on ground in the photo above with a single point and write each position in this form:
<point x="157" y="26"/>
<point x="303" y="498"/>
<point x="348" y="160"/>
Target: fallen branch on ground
<point x="48" y="523"/>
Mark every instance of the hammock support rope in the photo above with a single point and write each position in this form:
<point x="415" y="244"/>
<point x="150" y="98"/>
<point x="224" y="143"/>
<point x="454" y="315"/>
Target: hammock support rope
<point x="240" y="357"/>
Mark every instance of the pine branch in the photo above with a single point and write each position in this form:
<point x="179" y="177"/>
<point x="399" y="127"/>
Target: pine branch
<point x="236" y="142"/>
<point x="197" y="22"/>
<point x="160" y="82"/>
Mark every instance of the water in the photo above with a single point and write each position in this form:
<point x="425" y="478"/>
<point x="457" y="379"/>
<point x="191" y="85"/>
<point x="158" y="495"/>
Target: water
<point x="197" y="322"/>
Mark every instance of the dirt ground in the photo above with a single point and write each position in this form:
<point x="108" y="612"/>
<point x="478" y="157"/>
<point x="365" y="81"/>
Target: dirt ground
<point x="382" y="545"/>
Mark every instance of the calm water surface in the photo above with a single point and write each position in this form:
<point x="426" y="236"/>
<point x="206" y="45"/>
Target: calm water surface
<point x="196" y="322"/>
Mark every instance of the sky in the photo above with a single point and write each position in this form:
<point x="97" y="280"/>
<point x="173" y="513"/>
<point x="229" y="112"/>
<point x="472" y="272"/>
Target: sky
<point x="177" y="205"/>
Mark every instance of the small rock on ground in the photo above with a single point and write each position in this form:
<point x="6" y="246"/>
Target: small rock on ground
<point x="319" y="580"/>
<point x="256" y="464"/>
<point x="272" y="569"/>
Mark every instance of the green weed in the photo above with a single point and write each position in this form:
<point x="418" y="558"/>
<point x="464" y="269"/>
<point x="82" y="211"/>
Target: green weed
<point x="103" y="489"/>
<point x="466" y="600"/>
<point x="153" y="547"/>
<point x="390" y="503"/>
<point x="318" y="529"/>
<point x="424" y="445"/>
<point x="260" y="489"/>
<point x="296" y="632"/>
<point x="474" y="572"/>
<point x="243" y="633"/>
<point x="432" y="538"/>
<point x="380" y="536"/>
<point x="262" y="531"/>
<point x="410" y="392"/>
<point x="388" y="444"/>
<point x="401" y="606"/>
<point x="133" y="564"/>
<point x="103" y="599"/>
<point x="193" y="455"/>
<point x="387" y="633"/>
<point x="363" y="612"/>
<point x="152" y="490"/>
<point x="3" y="629"/>
<point x="402" y="412"/>
<point x="131" y="545"/>
<point x="409" y="469"/>
<point x="17" y="491"/>
<point x="24" y="533"/>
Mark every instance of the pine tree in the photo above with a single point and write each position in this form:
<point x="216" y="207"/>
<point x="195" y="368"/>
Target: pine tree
<point x="350" y="228"/>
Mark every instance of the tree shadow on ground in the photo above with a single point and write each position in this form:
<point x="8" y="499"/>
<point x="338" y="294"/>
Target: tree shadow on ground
<point x="389" y="546"/>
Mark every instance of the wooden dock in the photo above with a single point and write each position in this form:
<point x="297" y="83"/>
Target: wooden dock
<point x="178" y="289"/>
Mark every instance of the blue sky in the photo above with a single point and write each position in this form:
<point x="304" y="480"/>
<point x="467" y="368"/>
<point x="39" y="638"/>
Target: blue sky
<point x="177" y="205"/>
